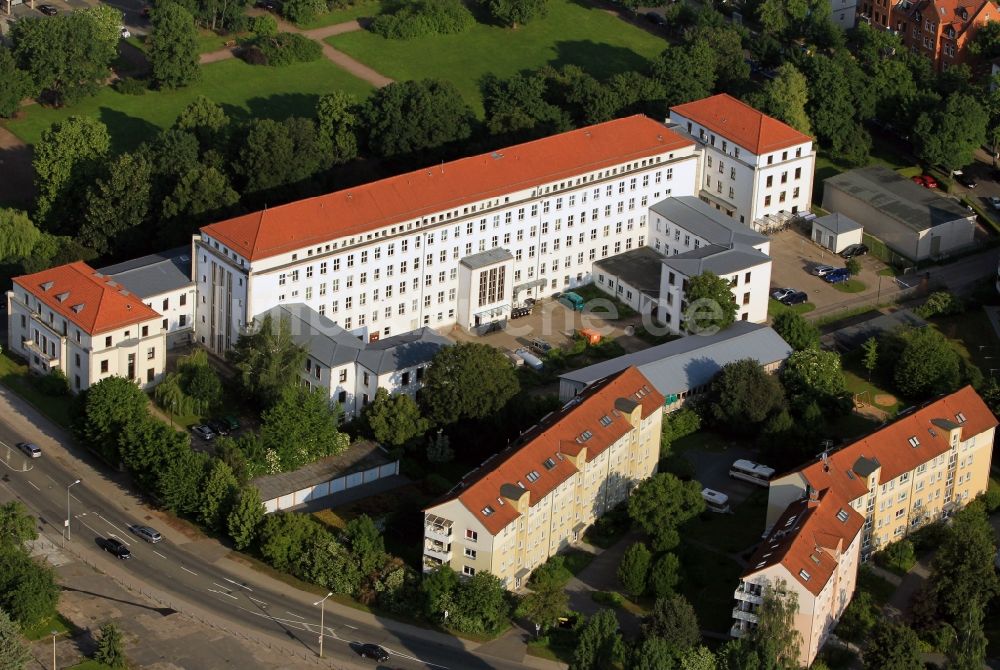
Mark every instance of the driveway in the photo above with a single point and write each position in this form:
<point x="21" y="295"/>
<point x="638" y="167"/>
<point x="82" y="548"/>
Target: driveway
<point x="711" y="469"/>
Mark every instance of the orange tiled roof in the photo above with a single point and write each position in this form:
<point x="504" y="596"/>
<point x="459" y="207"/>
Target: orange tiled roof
<point x="808" y="539"/>
<point x="740" y="123"/>
<point x="433" y="189"/>
<point x="947" y="13"/>
<point x="890" y="445"/>
<point x="556" y="436"/>
<point x="86" y="298"/>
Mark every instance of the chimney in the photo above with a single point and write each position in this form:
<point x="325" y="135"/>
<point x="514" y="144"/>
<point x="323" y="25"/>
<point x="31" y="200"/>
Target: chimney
<point x="813" y="496"/>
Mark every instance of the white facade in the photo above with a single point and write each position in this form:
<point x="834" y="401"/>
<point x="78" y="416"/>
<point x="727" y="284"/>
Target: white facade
<point x="749" y="285"/>
<point x="404" y="276"/>
<point x="844" y="13"/>
<point x="176" y="308"/>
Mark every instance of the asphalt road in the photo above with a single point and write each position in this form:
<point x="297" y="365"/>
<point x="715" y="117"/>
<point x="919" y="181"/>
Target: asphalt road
<point x="173" y="569"/>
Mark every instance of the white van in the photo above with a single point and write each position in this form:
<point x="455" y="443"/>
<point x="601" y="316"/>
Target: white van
<point x="715" y="501"/>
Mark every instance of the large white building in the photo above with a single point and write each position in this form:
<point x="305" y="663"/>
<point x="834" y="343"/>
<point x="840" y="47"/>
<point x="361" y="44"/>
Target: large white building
<point x="755" y="168"/>
<point x="86" y="324"/>
<point x="405" y="252"/>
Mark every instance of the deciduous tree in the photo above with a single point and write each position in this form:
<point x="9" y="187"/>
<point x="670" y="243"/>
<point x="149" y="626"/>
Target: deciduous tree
<point x="662" y="503"/>
<point x="366" y="544"/>
<point x="664" y="575"/>
<point x="776" y="639"/>
<point x="117" y="204"/>
<point x="653" y="653"/>
<point x="395" y="419"/>
<point x="786" y="97"/>
<point x="517" y="107"/>
<point x="480" y="604"/>
<point x="892" y="646"/>
<point x="544" y="604"/>
<point x="245" y="517"/>
<point x="408" y="117"/>
<point x="743" y="396"/>
<point x="927" y="364"/>
<point x="795" y="330"/>
<point x="514" y="12"/>
<point x="28" y="591"/>
<point x="109" y="407"/>
<point x="206" y="119"/>
<point x="948" y="135"/>
<point x="869" y="355"/>
<point x="14" y="654"/>
<point x="217" y="493"/>
<point x="337" y="119"/>
<point x="179" y="485"/>
<point x="18" y="235"/>
<point x="673" y="619"/>
<point x="65" y="159"/>
<point x="268" y="359"/>
<point x="173" y="48"/>
<point x="467" y="380"/>
<point x="15" y="84"/>
<point x="685" y="72"/>
<point x="438" y="590"/>
<point x="302" y="427"/>
<point x="711" y="304"/>
<point x="17" y="526"/>
<point x="815" y="374"/>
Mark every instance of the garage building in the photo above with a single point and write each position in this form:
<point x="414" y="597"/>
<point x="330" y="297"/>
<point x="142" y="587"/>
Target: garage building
<point x="836" y="232"/>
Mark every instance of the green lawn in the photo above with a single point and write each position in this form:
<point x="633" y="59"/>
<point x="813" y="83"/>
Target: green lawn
<point x="244" y="90"/>
<point x="15" y="376"/>
<point x="90" y="665"/>
<point x="207" y="40"/>
<point x="850" y="286"/>
<point x="972" y="336"/>
<point x="775" y="308"/>
<point x="709" y="582"/>
<point x="360" y="9"/>
<point x="570" y="34"/>
<point x="43" y="630"/>
<point x="731" y="533"/>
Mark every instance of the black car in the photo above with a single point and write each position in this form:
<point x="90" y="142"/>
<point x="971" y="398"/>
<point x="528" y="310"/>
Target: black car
<point x="374" y="651"/>
<point x="218" y="426"/>
<point x="967" y="180"/>
<point x="116" y="547"/>
<point x="854" y="250"/>
<point x="48" y="10"/>
<point x="796" y="298"/>
<point x="658" y="19"/>
<point x="269" y="5"/>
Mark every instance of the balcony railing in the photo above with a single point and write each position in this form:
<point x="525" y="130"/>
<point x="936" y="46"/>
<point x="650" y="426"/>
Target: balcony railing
<point x="440" y="551"/>
<point x="31" y="346"/>
<point x="741" y="615"/>
<point x="748" y="595"/>
<point x="438" y="532"/>
<point x="738" y="630"/>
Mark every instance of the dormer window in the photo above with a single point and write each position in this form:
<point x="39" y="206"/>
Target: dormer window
<point x="532" y="476"/>
<point x="842" y="516"/>
<point x="605" y="420"/>
<point x="960" y="418"/>
<point x="914" y="442"/>
<point x="805" y="575"/>
<point x="549" y="464"/>
<point x="488" y="510"/>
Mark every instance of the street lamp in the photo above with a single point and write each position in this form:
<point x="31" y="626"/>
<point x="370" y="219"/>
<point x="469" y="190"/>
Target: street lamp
<point x="69" y="531"/>
<point x="322" y="607"/>
<point x="54" y="633"/>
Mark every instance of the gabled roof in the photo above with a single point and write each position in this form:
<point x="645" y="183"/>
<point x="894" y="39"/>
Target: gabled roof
<point x="890" y="447"/>
<point x="946" y="13"/>
<point x="155" y="274"/>
<point x="808" y="539"/>
<point x="698" y="218"/>
<point x="718" y="260"/>
<point x="692" y="361"/>
<point x="740" y="123"/>
<point x="589" y="421"/>
<point x="837" y="223"/>
<point x="86" y="298"/>
<point x="430" y="190"/>
<point x="400" y="352"/>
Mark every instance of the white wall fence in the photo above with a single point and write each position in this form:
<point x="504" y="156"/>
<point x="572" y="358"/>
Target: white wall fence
<point x="331" y="487"/>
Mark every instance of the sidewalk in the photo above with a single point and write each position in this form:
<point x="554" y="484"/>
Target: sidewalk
<point x="57" y="443"/>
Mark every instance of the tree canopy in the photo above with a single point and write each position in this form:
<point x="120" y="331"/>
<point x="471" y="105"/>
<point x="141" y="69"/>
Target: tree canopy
<point x="795" y="330"/>
<point x="302" y="427"/>
<point x="743" y="396"/>
<point x="467" y="380"/>
<point x="268" y="359"/>
<point x="599" y="644"/>
<point x="673" y="619"/>
<point x="173" y="48"/>
<point x="15" y="84"/>
<point x="395" y="419"/>
<point x="514" y="12"/>
<point x="892" y="646"/>
<point x="711" y="304"/>
<point x="66" y="158"/>
<point x="927" y="364"/>
<point x="407" y="117"/>
<point x="662" y="503"/>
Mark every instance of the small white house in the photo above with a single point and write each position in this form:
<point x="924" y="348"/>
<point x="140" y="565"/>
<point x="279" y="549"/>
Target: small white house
<point x="836" y="232"/>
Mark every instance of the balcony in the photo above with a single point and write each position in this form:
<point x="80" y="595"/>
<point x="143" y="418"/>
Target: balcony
<point x="437" y="528"/>
<point x="431" y="564"/>
<point x="748" y="595"/>
<point x="438" y="550"/>
<point x="741" y="615"/>
<point x="31" y="346"/>
<point x="739" y="630"/>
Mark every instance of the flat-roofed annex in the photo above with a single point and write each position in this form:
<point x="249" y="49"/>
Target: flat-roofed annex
<point x="429" y="190"/>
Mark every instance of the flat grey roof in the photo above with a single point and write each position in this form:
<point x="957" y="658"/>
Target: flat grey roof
<point x="485" y="258"/>
<point x="696" y="216"/>
<point x="853" y="336"/>
<point x="325" y="341"/>
<point x="716" y="259"/>
<point x="153" y="274"/>
<point x="640" y="268"/>
<point x="357" y="457"/>
<point x="693" y="360"/>
<point x="914" y="206"/>
<point x="402" y="351"/>
<point x="838" y="223"/>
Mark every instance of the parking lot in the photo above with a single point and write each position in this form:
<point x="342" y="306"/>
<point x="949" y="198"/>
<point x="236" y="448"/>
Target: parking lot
<point x="131" y="9"/>
<point x="794" y="255"/>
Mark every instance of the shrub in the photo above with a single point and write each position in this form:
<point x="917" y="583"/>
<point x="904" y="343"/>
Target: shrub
<point x="898" y="557"/>
<point x="991" y="498"/>
<point x="853" y="267"/>
<point x="263" y="26"/>
<point x="252" y="55"/>
<point x="302" y="11"/>
<point x="131" y="86"/>
<point x="940" y="302"/>
<point x="282" y="49"/>
<point x="54" y="383"/>
<point x="407" y="20"/>
<point x="608" y="598"/>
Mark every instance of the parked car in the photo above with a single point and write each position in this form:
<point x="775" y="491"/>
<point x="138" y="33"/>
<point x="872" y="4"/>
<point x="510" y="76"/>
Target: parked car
<point x="925" y="180"/>
<point x="821" y="270"/>
<point x="655" y="18"/>
<point x="204" y="432"/>
<point x="966" y="180"/>
<point x="854" y="250"/>
<point x="231" y="423"/>
<point x="145" y="532"/>
<point x="48" y="10"/>
<point x="115" y="546"/>
<point x="837" y="276"/>
<point x="781" y="293"/>
<point x="217" y="426"/>
<point x="373" y="651"/>
<point x="30" y="450"/>
<point x="541" y="346"/>
<point x="269" y="5"/>
<point x="995" y="202"/>
<point x="796" y="298"/>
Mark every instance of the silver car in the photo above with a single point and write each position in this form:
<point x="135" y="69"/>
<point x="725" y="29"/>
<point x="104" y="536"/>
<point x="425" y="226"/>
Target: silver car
<point x="30" y="450"/>
<point x="822" y="270"/>
<point x="146" y="533"/>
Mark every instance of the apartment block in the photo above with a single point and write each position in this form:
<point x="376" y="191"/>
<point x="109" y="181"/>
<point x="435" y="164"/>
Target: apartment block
<point x="537" y="497"/>
<point x="86" y="324"/>
<point x="753" y="167"/>
<point x="826" y="517"/>
<point x="459" y="243"/>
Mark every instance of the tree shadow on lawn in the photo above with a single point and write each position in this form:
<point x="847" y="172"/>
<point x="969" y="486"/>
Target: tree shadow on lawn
<point x="127" y="132"/>
<point x="278" y="107"/>
<point x="17" y="186"/>
<point x="597" y="59"/>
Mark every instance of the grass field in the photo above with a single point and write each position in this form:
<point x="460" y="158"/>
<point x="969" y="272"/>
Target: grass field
<point x="850" y="286"/>
<point x="15" y="376"/>
<point x="244" y="90"/>
<point x="731" y="533"/>
<point x="774" y="307"/>
<point x="44" y="629"/>
<point x="360" y="9"/>
<point x="570" y="34"/>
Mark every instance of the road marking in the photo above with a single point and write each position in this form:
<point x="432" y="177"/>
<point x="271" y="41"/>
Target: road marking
<point x="112" y="525"/>
<point x="294" y="614"/>
<point x="223" y="593"/>
<point x="32" y="484"/>
<point x="351" y="627"/>
<point x="191" y="571"/>
<point x="125" y="542"/>
<point x="52" y="480"/>
<point x="159" y="554"/>
<point x="87" y="526"/>
<point x="242" y="586"/>
<point x="414" y="658"/>
<point x="257" y="601"/>
<point x="224" y="588"/>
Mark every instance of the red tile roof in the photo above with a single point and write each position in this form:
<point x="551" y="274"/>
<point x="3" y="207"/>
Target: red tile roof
<point x="890" y="445"/>
<point x="808" y="540"/>
<point x="556" y="436"/>
<point x="434" y="189"/>
<point x="87" y="299"/>
<point x="740" y="123"/>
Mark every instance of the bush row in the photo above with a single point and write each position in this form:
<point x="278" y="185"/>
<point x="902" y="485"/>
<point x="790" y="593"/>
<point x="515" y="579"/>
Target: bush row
<point x="406" y="20"/>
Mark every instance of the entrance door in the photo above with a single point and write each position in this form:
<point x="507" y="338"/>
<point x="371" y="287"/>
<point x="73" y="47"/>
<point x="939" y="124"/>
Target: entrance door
<point x="935" y="245"/>
<point x="373" y="336"/>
